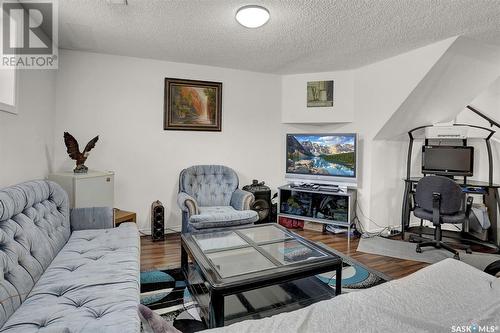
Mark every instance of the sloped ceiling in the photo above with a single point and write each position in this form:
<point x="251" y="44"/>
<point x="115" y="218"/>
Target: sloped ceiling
<point x="489" y="101"/>
<point x="466" y="69"/>
<point x="302" y="36"/>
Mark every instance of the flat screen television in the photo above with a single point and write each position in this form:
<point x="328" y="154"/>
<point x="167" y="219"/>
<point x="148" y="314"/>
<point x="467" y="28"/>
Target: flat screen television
<point x="322" y="158"/>
<point x="448" y="160"/>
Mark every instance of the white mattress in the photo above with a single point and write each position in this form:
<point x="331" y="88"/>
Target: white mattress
<point x="435" y="299"/>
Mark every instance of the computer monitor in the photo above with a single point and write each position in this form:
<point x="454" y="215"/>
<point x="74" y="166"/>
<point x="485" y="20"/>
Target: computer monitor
<point x="448" y="160"/>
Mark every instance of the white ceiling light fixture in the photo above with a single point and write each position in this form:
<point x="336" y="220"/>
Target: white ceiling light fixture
<point x="117" y="2"/>
<point x="252" y="16"/>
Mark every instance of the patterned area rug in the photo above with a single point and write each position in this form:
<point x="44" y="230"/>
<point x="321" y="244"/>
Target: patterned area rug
<point x="166" y="293"/>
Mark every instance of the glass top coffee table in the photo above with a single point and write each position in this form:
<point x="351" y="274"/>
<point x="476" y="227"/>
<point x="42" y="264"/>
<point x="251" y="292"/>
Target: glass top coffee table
<point x="253" y="272"/>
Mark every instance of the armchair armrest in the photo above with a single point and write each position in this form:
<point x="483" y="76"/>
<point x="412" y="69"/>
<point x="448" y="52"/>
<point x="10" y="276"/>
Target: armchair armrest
<point x="91" y="218"/>
<point x="468" y="211"/>
<point x="436" y="208"/>
<point x="242" y="200"/>
<point x="187" y="203"/>
<point x="468" y="207"/>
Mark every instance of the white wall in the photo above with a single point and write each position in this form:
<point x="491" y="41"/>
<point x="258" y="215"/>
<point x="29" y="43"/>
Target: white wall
<point x="294" y="99"/>
<point x="26" y="139"/>
<point x="121" y="99"/>
<point x="377" y="92"/>
<point x="488" y="103"/>
<point x="463" y="72"/>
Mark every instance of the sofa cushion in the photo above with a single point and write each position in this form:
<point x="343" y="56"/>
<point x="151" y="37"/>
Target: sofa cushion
<point x="220" y="216"/>
<point x="92" y="285"/>
<point x="34" y="227"/>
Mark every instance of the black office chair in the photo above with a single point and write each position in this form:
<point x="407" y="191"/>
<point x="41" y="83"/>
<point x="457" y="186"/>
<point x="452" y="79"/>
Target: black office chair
<point x="440" y="200"/>
<point x="493" y="269"/>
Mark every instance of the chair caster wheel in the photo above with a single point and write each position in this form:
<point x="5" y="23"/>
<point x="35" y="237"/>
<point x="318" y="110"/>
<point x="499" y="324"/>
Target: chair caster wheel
<point x="456" y="257"/>
<point x="419" y="250"/>
<point x="468" y="251"/>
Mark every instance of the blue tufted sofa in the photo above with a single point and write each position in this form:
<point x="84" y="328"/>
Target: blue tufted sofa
<point x="59" y="275"/>
<point x="209" y="198"/>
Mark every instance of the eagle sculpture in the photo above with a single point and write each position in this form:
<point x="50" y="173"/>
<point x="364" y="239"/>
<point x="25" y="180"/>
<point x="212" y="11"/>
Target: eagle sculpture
<point x="74" y="151"/>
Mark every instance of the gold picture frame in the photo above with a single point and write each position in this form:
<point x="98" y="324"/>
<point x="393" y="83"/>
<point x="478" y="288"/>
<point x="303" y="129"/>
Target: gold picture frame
<point x="192" y="105"/>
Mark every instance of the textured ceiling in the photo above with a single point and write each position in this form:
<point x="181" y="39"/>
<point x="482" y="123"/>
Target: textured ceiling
<point x="301" y="36"/>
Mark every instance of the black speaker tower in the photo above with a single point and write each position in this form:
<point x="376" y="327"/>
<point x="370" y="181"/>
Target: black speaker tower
<point x="262" y="204"/>
<point x="157" y="221"/>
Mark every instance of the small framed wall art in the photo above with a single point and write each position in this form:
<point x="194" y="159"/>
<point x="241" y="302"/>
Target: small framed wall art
<point x="320" y="94"/>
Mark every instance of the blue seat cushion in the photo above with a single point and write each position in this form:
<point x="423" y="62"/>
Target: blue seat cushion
<point x="427" y="215"/>
<point x="90" y="286"/>
<point x="222" y="216"/>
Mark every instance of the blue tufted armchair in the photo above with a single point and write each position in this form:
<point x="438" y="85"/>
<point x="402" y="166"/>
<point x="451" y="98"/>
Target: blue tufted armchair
<point x="209" y="198"/>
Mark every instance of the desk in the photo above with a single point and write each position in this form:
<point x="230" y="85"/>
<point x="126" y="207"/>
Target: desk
<point x="490" y="198"/>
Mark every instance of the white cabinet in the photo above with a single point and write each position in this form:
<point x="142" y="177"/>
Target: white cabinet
<point x="93" y="189"/>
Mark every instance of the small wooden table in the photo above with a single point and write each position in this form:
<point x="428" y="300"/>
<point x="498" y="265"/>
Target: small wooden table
<point x="122" y="216"/>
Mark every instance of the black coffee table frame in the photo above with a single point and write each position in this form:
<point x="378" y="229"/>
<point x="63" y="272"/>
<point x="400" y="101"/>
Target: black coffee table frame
<point x="220" y="287"/>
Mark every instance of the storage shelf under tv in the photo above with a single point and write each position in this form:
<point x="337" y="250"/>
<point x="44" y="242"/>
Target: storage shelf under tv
<point x="307" y="205"/>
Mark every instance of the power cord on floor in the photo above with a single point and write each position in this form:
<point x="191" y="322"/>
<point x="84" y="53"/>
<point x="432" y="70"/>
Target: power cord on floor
<point x="359" y="224"/>
<point x="367" y="234"/>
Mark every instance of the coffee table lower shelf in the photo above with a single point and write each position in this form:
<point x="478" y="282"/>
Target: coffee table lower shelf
<point x="254" y="272"/>
<point x="257" y="303"/>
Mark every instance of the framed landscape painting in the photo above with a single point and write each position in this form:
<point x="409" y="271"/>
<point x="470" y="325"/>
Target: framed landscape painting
<point x="192" y="105"/>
